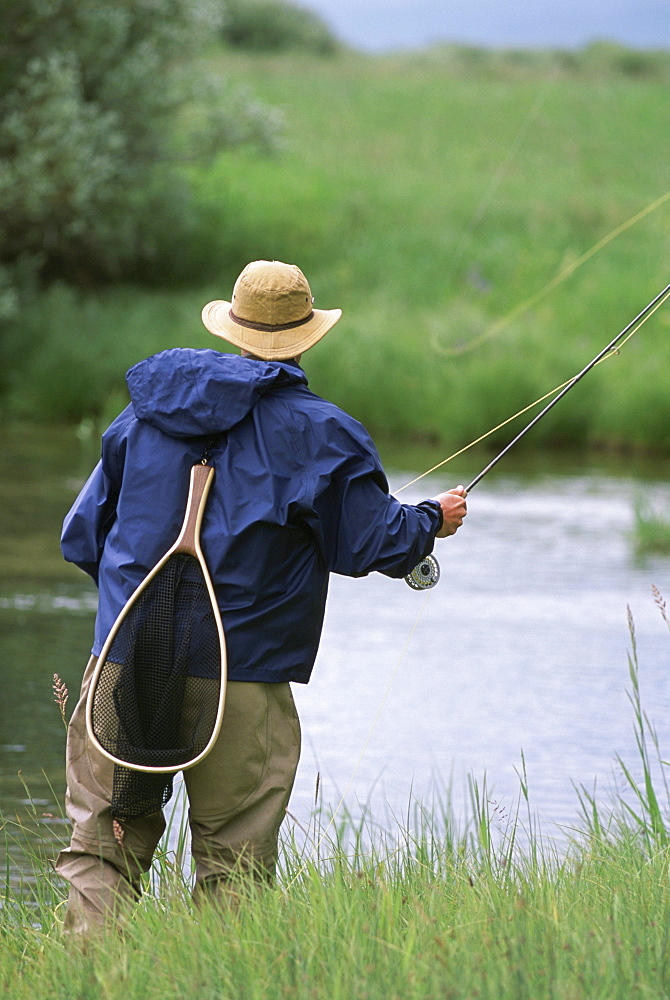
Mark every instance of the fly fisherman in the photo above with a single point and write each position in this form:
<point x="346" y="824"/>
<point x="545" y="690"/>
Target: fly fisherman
<point x="299" y="493"/>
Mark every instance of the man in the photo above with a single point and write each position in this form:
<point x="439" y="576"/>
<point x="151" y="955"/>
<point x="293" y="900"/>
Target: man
<point x="299" y="492"/>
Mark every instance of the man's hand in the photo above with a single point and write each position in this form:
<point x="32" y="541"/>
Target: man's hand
<point x="454" y="509"/>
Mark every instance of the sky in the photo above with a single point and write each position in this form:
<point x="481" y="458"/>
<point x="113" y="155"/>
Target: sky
<point x="379" y="25"/>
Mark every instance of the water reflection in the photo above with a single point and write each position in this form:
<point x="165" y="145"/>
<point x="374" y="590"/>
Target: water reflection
<point x="522" y="646"/>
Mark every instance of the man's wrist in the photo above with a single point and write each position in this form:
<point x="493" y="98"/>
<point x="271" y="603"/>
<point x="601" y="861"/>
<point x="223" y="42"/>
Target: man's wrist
<point x="434" y="505"/>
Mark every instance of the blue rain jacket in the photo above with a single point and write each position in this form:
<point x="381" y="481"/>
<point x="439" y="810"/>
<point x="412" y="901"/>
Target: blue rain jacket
<point x="299" y="492"/>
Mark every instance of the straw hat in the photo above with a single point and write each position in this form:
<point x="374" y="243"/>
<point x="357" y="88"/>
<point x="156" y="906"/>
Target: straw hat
<point x="271" y="313"/>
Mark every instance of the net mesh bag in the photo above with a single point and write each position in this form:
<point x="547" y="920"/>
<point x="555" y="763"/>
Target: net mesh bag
<point x="157" y="696"/>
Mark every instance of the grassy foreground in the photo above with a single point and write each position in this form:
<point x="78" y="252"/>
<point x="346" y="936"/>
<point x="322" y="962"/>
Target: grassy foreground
<point x="426" y="913"/>
<point x="595" y="926"/>
<point x="436" y="197"/>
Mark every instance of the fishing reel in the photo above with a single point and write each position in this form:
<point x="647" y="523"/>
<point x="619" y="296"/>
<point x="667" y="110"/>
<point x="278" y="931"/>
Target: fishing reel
<point x="424" y="575"/>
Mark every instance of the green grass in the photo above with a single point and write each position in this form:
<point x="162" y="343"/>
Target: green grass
<point x="651" y="531"/>
<point x="597" y="928"/>
<point x="431" y="911"/>
<point x="593" y="928"/>
<point x="429" y="195"/>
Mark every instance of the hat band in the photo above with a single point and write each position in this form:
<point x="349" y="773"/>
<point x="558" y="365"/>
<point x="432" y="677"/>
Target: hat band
<point x="268" y="327"/>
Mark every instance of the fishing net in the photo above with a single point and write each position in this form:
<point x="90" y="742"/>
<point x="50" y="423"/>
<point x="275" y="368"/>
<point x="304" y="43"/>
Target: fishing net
<point x="157" y="696"/>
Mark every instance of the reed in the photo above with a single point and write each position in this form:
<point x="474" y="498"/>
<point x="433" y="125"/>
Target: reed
<point x="651" y="530"/>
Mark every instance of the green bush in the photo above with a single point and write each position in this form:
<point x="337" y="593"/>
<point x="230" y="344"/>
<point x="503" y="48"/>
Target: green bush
<point x="604" y="56"/>
<point x="275" y="25"/>
<point x="90" y="182"/>
<point x="66" y="359"/>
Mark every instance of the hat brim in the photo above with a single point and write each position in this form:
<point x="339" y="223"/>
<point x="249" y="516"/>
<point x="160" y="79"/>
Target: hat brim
<point x="271" y="344"/>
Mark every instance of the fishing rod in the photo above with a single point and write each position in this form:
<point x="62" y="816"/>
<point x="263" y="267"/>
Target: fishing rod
<point x="427" y="573"/>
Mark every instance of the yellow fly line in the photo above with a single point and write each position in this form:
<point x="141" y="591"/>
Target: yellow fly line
<point x="530" y="406"/>
<point x="558" y="279"/>
<point x="501" y="173"/>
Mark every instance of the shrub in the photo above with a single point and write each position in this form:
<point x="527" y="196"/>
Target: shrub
<point x="89" y="185"/>
<point x="275" y="25"/>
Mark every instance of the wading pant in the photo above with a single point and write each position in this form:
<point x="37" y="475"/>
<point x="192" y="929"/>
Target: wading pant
<point x="237" y="799"/>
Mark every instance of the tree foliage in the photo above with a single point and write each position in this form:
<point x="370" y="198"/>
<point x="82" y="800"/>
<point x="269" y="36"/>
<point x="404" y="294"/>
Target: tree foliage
<point x="275" y="25"/>
<point x="89" y="92"/>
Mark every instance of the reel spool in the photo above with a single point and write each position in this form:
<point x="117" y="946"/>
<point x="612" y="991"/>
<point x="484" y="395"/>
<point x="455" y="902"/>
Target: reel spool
<point x="424" y="575"/>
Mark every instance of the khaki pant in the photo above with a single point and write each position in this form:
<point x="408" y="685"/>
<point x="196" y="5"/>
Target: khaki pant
<point x="237" y="799"/>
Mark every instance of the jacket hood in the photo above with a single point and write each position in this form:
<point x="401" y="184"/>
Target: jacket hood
<point x="186" y="392"/>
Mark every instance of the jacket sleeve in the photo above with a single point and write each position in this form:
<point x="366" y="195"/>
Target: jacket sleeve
<point x="88" y="522"/>
<point x="362" y="528"/>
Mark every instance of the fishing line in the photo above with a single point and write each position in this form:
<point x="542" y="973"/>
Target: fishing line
<point x="500" y="174"/>
<point x="612" y="353"/>
<point x="558" y="279"/>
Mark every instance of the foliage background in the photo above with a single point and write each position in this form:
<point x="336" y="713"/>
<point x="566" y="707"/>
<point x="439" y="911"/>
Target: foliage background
<point x="89" y="182"/>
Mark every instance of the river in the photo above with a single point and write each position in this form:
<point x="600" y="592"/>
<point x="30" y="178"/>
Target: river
<point x="521" y="648"/>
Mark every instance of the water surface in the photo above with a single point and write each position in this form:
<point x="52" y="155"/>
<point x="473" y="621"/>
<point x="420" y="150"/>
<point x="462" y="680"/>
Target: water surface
<point x="522" y="647"/>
